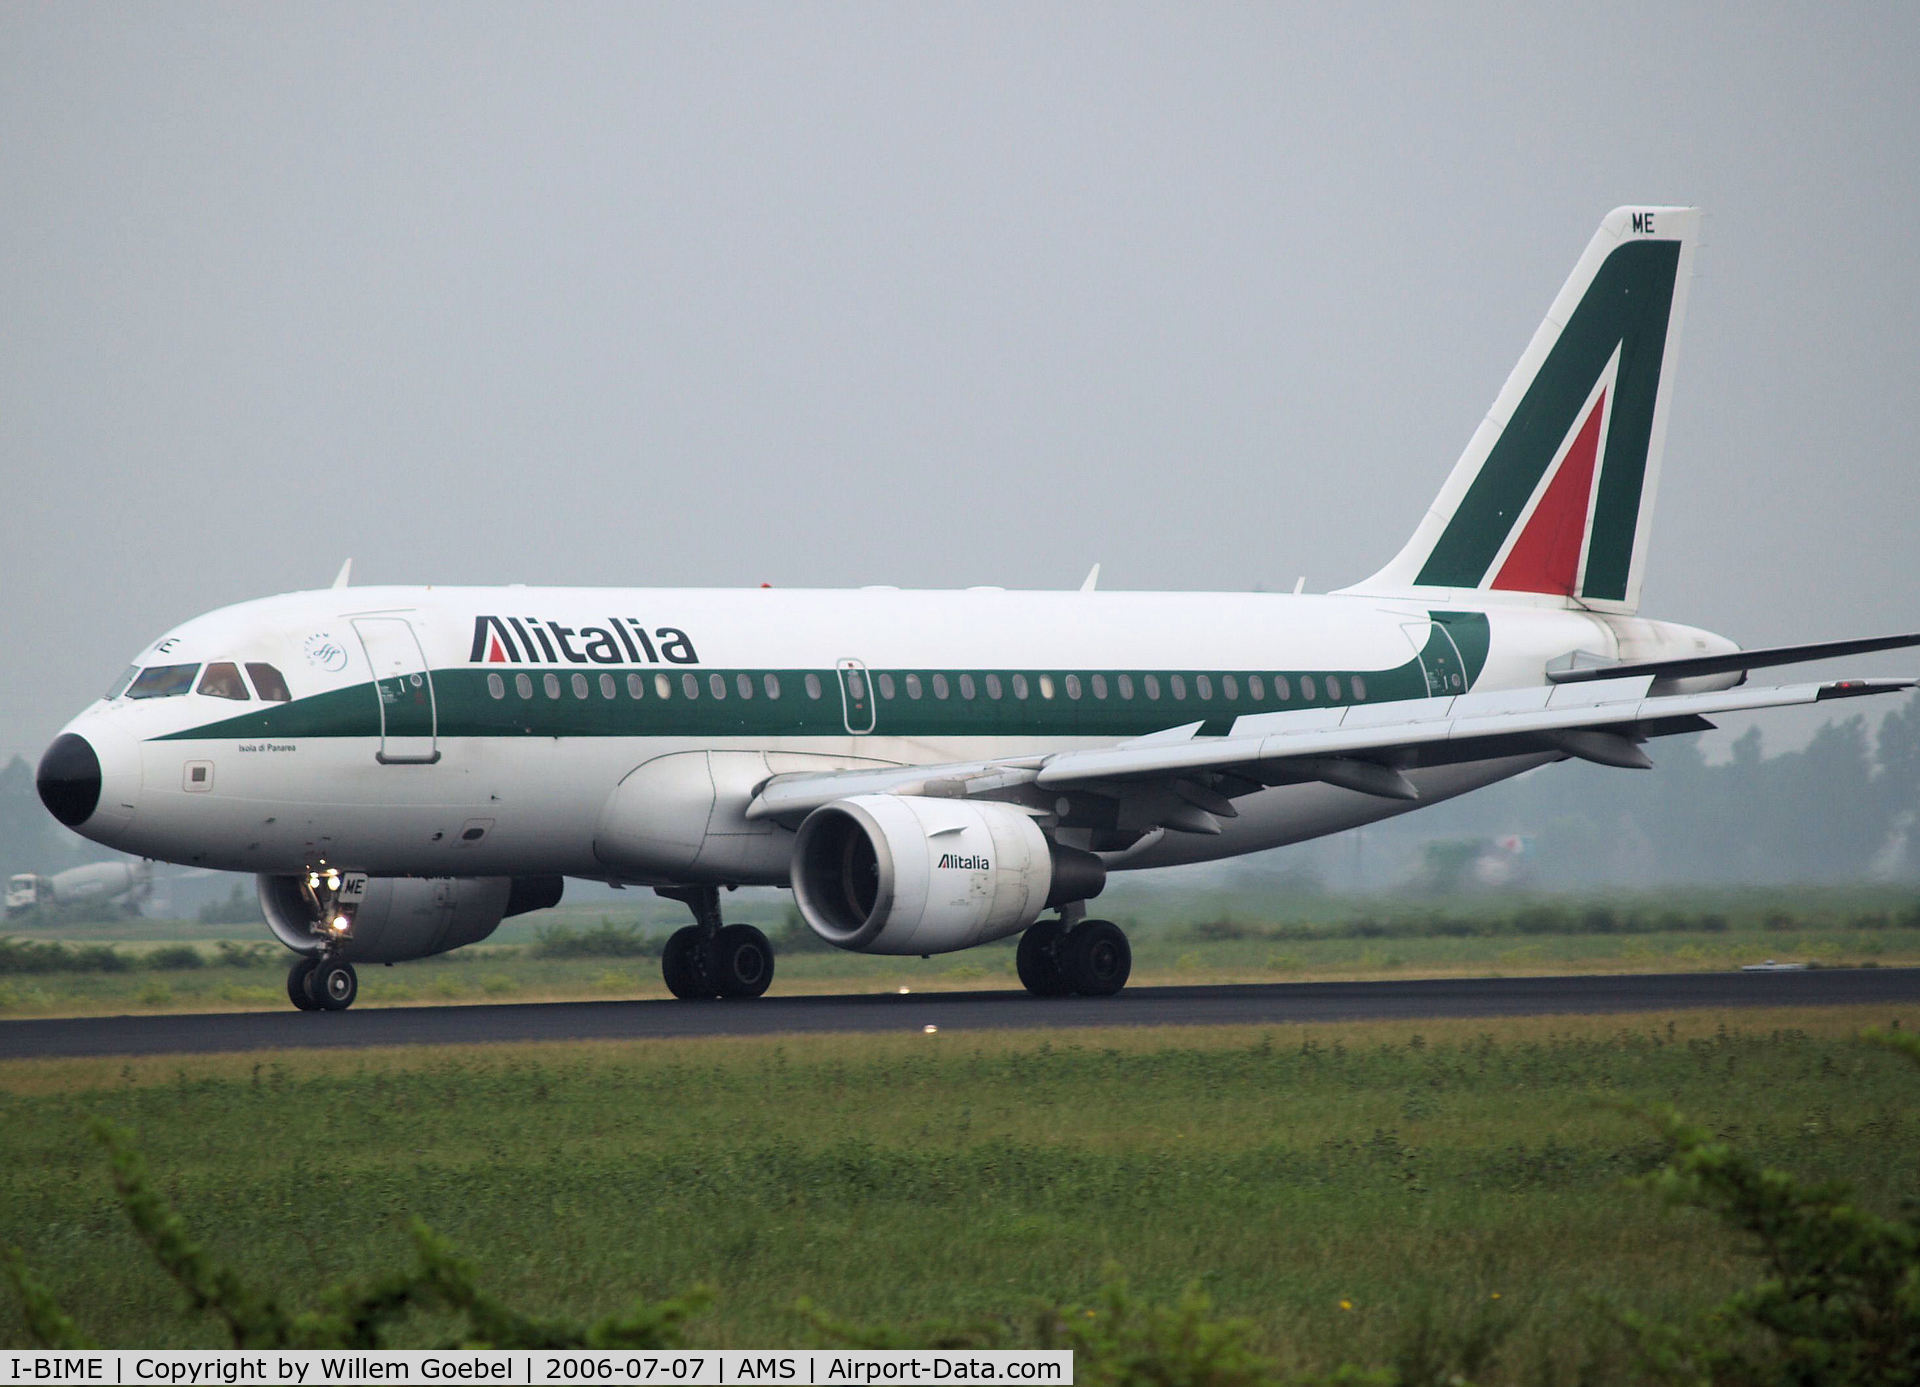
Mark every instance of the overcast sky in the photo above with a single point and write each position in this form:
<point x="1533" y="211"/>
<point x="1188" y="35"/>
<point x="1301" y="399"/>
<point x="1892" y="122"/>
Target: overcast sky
<point x="915" y="294"/>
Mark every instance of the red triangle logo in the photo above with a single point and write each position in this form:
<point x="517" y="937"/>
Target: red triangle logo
<point x="495" y="655"/>
<point x="1546" y="557"/>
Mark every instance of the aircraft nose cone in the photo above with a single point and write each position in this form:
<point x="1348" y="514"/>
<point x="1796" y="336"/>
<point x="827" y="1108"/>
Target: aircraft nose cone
<point x="69" y="779"/>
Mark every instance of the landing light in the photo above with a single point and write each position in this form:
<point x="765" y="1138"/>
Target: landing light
<point x="313" y="881"/>
<point x="341" y="924"/>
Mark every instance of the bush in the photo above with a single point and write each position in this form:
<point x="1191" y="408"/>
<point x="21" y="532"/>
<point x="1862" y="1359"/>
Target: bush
<point x="229" y="954"/>
<point x="1840" y="1299"/>
<point x="351" y="1315"/>
<point x="604" y="940"/>
<point x="174" y="958"/>
<point x="35" y="956"/>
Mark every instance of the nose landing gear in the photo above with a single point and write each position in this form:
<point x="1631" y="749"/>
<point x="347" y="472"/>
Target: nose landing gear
<point x="709" y="959"/>
<point x="325" y="981"/>
<point x="322" y="983"/>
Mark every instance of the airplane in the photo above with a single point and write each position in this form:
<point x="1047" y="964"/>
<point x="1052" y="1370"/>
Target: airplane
<point x="405" y="767"/>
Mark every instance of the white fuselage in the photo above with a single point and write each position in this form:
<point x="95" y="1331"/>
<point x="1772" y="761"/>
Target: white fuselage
<point x="482" y="731"/>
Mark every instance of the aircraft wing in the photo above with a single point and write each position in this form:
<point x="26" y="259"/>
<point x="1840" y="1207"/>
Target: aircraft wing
<point x="1363" y="747"/>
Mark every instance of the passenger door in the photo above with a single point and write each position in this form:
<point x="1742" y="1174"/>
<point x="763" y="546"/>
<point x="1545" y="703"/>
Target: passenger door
<point x="403" y="685"/>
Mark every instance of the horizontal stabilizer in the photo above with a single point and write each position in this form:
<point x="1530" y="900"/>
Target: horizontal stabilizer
<point x="1734" y="660"/>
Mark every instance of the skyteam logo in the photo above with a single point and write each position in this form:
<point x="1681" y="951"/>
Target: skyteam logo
<point x="959" y="862"/>
<point x="324" y="652"/>
<point x="517" y="640"/>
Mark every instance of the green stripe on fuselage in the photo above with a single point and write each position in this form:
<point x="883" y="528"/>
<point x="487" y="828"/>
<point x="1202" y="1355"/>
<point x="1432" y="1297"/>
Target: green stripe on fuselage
<point x="467" y="707"/>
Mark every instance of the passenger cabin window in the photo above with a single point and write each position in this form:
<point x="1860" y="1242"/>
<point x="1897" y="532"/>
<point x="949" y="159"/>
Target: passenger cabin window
<point x="268" y="683"/>
<point x="163" y="681"/>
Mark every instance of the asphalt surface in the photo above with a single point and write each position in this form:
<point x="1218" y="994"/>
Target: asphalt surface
<point x="1260" y="1004"/>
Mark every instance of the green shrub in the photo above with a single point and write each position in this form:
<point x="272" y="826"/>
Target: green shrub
<point x="37" y="956"/>
<point x="1840" y="1298"/>
<point x="604" y="940"/>
<point x="351" y="1315"/>
<point x="174" y="958"/>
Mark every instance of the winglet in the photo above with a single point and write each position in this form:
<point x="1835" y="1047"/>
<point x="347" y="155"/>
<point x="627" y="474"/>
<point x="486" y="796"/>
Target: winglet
<point x="341" y="578"/>
<point x="1092" y="579"/>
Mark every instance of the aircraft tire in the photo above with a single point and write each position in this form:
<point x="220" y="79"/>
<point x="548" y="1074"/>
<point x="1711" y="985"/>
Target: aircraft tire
<point x="1038" y="959"/>
<point x="681" y="965"/>
<point x="1095" y="958"/>
<point x="743" y="961"/>
<point x="297" y="978"/>
<point x="333" y="984"/>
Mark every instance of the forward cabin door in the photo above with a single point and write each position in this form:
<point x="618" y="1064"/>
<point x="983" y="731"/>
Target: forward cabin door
<point x="856" y="695"/>
<point x="403" y="685"/>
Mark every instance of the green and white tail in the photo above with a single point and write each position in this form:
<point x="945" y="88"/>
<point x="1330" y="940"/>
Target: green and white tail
<point x="1552" y="500"/>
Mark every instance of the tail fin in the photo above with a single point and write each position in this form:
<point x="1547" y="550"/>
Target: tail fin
<point x="1551" y="501"/>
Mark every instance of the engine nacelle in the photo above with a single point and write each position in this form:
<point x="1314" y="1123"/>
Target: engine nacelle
<point x="903" y="874"/>
<point x="407" y="917"/>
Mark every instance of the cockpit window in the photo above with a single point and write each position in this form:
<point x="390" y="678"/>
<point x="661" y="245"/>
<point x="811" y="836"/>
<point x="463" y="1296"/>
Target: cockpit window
<point x="120" y="684"/>
<point x="268" y="683"/>
<point x="163" y="681"/>
<point x="222" y="680"/>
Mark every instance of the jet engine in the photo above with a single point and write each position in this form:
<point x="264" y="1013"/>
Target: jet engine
<point x="404" y="917"/>
<point x="903" y="874"/>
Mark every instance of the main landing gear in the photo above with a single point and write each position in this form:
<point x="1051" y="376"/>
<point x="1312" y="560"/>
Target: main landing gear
<point x="322" y="983"/>
<point x="709" y="959"/>
<point x="1091" y="958"/>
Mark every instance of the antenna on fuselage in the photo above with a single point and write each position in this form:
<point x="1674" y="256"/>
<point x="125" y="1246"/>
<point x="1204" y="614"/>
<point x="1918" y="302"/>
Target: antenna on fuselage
<point x="341" y="578"/>
<point x="1092" y="579"/>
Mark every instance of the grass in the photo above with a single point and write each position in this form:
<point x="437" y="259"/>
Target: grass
<point x="1408" y="1169"/>
<point x="583" y="953"/>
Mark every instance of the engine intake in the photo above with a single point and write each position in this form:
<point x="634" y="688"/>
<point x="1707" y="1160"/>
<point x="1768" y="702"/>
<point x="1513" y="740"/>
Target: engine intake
<point x="904" y="874"/>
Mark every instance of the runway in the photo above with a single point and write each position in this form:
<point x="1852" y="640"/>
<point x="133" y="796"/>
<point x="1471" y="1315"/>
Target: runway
<point x="1258" y="1004"/>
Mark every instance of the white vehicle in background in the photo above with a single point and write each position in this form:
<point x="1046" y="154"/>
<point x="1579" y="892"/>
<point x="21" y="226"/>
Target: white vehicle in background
<point x="119" y="887"/>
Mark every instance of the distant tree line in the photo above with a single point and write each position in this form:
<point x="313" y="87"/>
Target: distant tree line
<point x="1843" y="809"/>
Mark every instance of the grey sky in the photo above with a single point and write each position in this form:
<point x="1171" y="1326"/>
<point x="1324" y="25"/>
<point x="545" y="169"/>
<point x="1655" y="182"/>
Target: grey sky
<point x="927" y="295"/>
